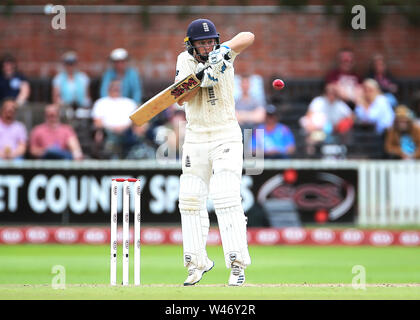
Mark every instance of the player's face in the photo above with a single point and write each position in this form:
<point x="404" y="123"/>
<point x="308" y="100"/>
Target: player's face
<point x="205" y="46"/>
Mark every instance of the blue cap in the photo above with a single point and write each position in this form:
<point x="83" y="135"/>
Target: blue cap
<point x="201" y="29"/>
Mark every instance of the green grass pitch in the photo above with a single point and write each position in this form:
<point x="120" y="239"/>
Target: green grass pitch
<point x="276" y="272"/>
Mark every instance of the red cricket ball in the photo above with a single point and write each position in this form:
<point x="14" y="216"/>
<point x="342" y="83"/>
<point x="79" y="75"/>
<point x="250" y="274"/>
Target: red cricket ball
<point x="278" y="84"/>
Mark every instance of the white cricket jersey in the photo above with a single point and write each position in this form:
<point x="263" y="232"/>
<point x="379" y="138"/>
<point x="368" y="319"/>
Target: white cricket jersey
<point x="211" y="113"/>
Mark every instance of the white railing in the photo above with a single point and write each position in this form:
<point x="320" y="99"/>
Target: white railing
<point x="389" y="192"/>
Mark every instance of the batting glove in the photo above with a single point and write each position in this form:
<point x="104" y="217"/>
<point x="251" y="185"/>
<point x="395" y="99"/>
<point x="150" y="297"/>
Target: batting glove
<point x="209" y="79"/>
<point x="218" y="55"/>
<point x="199" y="67"/>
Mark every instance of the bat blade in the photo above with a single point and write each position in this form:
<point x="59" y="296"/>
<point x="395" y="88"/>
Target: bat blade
<point x="164" y="99"/>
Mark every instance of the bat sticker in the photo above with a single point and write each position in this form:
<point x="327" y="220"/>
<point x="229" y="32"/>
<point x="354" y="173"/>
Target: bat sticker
<point x="184" y="86"/>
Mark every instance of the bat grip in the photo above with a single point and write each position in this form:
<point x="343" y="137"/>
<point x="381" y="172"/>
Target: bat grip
<point x="200" y="74"/>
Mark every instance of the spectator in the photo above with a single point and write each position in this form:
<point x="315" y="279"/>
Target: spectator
<point x="415" y="103"/>
<point x="403" y="138"/>
<point x="327" y="110"/>
<point x="53" y="139"/>
<point x="13" y="135"/>
<point x="379" y="72"/>
<point x="112" y="123"/>
<point x="256" y="88"/>
<point x="345" y="77"/>
<point x="327" y="118"/>
<point x="172" y="134"/>
<point x="71" y="86"/>
<point x="278" y="142"/>
<point x="373" y="108"/>
<point x="129" y="77"/>
<point x="12" y="82"/>
<point x="249" y="111"/>
<point x="141" y="147"/>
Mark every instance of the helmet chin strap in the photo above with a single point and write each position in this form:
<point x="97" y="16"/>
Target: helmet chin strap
<point x="201" y="58"/>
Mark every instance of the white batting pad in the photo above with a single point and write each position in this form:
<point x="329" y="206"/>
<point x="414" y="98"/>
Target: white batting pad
<point x="192" y="239"/>
<point x="194" y="219"/>
<point x="192" y="192"/>
<point x="205" y="225"/>
<point x="225" y="187"/>
<point x="232" y="226"/>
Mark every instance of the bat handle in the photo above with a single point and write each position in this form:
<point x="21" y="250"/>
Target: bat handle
<point x="200" y="74"/>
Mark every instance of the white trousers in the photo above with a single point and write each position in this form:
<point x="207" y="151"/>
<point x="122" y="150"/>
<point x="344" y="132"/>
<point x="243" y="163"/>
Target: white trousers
<point x="212" y="169"/>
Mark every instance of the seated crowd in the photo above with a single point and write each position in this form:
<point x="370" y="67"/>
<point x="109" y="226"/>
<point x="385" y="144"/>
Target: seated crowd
<point x="348" y="103"/>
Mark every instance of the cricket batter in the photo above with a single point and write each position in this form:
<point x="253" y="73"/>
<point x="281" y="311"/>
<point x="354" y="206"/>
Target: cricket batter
<point x="212" y="152"/>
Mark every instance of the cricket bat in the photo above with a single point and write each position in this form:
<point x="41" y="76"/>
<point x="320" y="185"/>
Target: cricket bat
<point x="166" y="98"/>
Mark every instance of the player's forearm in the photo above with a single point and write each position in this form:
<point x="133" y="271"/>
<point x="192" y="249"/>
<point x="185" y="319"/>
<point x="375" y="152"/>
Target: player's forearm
<point x="241" y="41"/>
